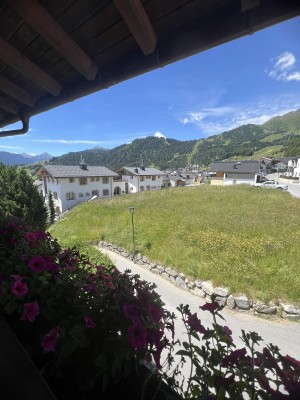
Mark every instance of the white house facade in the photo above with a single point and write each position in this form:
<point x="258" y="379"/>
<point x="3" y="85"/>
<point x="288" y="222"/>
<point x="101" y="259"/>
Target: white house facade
<point x="142" y="179"/>
<point x="294" y="168"/>
<point x="70" y="185"/>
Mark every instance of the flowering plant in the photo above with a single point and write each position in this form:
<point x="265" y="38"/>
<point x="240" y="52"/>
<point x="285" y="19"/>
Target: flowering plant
<point x="84" y="325"/>
<point x="219" y="370"/>
<point x="87" y="327"/>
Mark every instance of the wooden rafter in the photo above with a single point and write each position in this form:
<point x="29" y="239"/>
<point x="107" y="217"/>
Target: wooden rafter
<point x="18" y="61"/>
<point x="41" y="21"/>
<point x="138" y="23"/>
<point x="15" y="91"/>
<point x="8" y="105"/>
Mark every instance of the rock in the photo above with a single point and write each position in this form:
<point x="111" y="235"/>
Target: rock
<point x="219" y="291"/>
<point x="242" y="302"/>
<point x="160" y="268"/>
<point x="190" y="285"/>
<point x="264" y="309"/>
<point x="145" y="259"/>
<point x="221" y="300"/>
<point x="138" y="256"/>
<point x="231" y="302"/>
<point x="182" y="276"/>
<point x="198" y="292"/>
<point x="289" y="309"/>
<point x="152" y="265"/>
<point x="291" y="317"/>
<point x="180" y="282"/>
<point x="171" y="272"/>
<point x="207" y="287"/>
<point x="198" y="284"/>
<point x="172" y="279"/>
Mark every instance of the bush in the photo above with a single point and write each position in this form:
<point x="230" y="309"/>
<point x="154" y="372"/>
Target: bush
<point x="91" y="330"/>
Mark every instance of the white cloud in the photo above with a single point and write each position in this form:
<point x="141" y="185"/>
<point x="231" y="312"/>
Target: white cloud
<point x="283" y="68"/>
<point x="63" y="141"/>
<point x="233" y="117"/>
<point x="10" y="147"/>
<point x="159" y="135"/>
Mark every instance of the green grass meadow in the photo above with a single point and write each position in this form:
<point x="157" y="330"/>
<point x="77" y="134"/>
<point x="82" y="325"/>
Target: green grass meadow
<point x="241" y="237"/>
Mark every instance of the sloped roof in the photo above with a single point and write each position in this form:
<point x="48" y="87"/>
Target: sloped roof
<point x="56" y="51"/>
<point x="72" y="171"/>
<point x="236" y="167"/>
<point x="142" y="172"/>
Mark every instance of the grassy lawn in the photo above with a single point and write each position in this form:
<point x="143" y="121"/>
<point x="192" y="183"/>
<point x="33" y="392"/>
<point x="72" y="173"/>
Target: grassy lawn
<point x="242" y="237"/>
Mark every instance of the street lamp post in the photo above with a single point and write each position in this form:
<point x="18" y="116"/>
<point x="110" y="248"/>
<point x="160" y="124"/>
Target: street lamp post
<point x="131" y="209"/>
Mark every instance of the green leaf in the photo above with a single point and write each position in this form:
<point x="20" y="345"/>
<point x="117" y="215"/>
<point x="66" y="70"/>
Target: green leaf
<point x="10" y="307"/>
<point x="67" y="349"/>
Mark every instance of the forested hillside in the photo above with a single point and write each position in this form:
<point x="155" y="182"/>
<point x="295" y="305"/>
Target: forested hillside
<point x="278" y="137"/>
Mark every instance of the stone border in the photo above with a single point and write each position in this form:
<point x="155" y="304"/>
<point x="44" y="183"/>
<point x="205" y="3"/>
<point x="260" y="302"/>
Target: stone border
<point x="205" y="288"/>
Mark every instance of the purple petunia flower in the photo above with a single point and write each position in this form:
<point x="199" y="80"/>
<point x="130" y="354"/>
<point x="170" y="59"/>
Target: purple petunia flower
<point x="19" y="288"/>
<point x="37" y="264"/>
<point x="137" y="335"/>
<point x="195" y="324"/>
<point x="89" y="322"/>
<point x="30" y="311"/>
<point x="49" y="341"/>
<point x="131" y="311"/>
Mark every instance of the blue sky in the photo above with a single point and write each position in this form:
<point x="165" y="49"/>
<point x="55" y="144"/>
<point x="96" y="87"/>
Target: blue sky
<point x="248" y="80"/>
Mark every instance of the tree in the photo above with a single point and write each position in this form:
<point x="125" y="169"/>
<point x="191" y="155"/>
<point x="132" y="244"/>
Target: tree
<point x="51" y="209"/>
<point x="19" y="198"/>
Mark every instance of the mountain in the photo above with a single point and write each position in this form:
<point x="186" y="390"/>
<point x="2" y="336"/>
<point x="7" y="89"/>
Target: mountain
<point x="277" y="138"/>
<point x="21" y="159"/>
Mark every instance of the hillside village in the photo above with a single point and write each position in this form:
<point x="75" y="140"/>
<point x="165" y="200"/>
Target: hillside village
<point x="71" y="185"/>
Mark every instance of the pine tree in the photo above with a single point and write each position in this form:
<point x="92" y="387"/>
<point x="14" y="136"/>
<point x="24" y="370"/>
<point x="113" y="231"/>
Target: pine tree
<point x="19" y="198"/>
<point x="51" y="209"/>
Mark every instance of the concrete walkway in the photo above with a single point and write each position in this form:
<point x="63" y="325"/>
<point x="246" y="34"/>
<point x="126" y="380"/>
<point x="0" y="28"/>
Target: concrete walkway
<point x="285" y="334"/>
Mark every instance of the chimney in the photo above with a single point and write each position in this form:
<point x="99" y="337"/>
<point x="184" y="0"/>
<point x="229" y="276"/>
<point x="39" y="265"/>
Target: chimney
<point x="136" y="170"/>
<point x="82" y="164"/>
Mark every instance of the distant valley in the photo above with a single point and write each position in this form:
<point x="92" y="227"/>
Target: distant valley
<point x="277" y="138"/>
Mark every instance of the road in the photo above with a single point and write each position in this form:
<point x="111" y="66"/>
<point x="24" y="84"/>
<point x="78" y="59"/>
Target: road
<point x="285" y="334"/>
<point x="294" y="188"/>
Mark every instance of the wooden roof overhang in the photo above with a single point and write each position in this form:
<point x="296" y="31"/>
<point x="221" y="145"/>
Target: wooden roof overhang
<point x="53" y="51"/>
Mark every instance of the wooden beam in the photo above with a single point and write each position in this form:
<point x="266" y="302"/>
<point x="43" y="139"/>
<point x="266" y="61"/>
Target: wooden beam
<point x="18" y="61"/>
<point x="42" y="22"/>
<point x="15" y="91"/>
<point x="138" y="23"/>
<point x="8" y="105"/>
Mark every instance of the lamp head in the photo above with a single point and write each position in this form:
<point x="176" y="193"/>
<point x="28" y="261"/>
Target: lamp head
<point x="131" y="209"/>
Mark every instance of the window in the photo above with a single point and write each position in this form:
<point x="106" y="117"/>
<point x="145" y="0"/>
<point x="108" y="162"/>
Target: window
<point x="95" y="193"/>
<point x="105" y="179"/>
<point x="81" y="194"/>
<point x="82" y="181"/>
<point x="105" y="192"/>
<point x="148" y="187"/>
<point x="92" y="179"/>
<point x="153" y="178"/>
<point x="87" y="194"/>
<point x="142" y="178"/>
<point x="97" y="178"/>
<point x="142" y="188"/>
<point x="71" y="180"/>
<point x="55" y="195"/>
<point x="70" y="196"/>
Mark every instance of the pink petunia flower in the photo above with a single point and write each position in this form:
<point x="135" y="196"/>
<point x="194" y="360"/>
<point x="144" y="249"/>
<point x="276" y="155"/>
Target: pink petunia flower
<point x="137" y="335"/>
<point x="30" y="311"/>
<point x="49" y="341"/>
<point x="19" y="288"/>
<point x="131" y="311"/>
<point x="30" y="237"/>
<point x="89" y="322"/>
<point x="37" y="264"/>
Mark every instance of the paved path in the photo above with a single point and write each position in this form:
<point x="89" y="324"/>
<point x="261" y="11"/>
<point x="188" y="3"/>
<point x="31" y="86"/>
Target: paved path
<point x="283" y="333"/>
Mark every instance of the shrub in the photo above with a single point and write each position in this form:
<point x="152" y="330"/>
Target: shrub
<point x="91" y="330"/>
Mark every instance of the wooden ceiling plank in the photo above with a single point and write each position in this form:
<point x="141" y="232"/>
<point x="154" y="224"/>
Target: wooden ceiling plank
<point x="139" y="24"/>
<point x="18" y="61"/>
<point x="16" y="92"/>
<point x="41" y="21"/>
<point x="8" y="105"/>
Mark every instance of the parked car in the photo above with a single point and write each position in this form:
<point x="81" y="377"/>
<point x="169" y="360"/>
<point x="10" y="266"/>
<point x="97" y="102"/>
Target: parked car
<point x="273" y="185"/>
